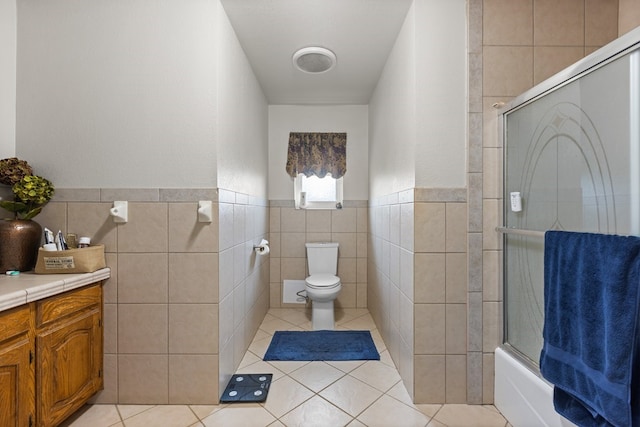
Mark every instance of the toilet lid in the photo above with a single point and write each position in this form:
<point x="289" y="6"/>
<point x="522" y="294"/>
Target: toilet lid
<point x="323" y="281"/>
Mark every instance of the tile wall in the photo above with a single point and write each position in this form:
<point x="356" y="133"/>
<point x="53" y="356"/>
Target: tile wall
<point x="291" y="228"/>
<point x="513" y="45"/>
<point x="166" y="338"/>
<point x="418" y="288"/>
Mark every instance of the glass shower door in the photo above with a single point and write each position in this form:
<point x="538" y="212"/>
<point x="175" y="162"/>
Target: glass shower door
<point x="573" y="155"/>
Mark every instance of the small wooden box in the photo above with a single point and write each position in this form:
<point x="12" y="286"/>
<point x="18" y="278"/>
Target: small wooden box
<point x="84" y="260"/>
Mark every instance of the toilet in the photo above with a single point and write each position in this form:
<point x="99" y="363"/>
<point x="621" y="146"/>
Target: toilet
<point x="322" y="285"/>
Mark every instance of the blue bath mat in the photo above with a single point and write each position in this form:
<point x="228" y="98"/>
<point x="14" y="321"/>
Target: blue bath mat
<point x="322" y="345"/>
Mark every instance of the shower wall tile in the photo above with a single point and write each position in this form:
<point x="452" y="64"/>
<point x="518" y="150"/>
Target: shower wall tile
<point x="292" y="220"/>
<point x="491" y="323"/>
<point x="189" y="378"/>
<point x="430" y="278"/>
<point x="601" y="22"/>
<point x="430" y="378"/>
<point x="508" y="22"/>
<point x="558" y="23"/>
<point x="168" y="275"/>
<point x="456" y="329"/>
<point x="318" y="221"/>
<point x="474" y="155"/>
<point x="430" y="328"/>
<point x="430" y="226"/>
<point x="145" y="230"/>
<point x="456" y="278"/>
<point x="143" y="278"/>
<point x="186" y="234"/>
<point x="143" y="378"/>
<point x="456" y="378"/>
<point x="93" y="220"/>
<point x="193" y="278"/>
<point x="492" y="178"/>
<point x="507" y="70"/>
<point x="185" y="336"/>
<point x="491" y="270"/>
<point x="490" y="125"/>
<point x="548" y="60"/>
<point x="456" y="227"/>
<point x="142" y="328"/>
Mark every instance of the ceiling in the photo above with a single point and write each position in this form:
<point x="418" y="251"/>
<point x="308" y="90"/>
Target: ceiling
<point x="360" y="32"/>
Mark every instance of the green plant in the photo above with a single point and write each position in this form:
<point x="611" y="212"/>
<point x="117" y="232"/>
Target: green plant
<point x="31" y="192"/>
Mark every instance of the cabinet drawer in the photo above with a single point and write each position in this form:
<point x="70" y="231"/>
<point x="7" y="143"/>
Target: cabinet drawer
<point x="15" y="321"/>
<point x="66" y="304"/>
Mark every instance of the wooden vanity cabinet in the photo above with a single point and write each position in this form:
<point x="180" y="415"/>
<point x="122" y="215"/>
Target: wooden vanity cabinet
<point x="68" y="353"/>
<point x="17" y="367"/>
<point x="50" y="357"/>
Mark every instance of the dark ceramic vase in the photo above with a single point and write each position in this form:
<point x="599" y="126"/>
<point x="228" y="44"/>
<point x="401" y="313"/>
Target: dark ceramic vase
<point x="19" y="242"/>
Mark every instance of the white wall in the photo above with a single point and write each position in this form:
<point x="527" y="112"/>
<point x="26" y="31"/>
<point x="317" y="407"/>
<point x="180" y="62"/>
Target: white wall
<point x="441" y="93"/>
<point x="118" y="93"/>
<point x="242" y="118"/>
<point x="352" y="119"/>
<point x="418" y="111"/>
<point x="7" y="78"/>
<point x="392" y="124"/>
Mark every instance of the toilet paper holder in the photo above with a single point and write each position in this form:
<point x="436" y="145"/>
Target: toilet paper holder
<point x="120" y="211"/>
<point x="262" y="248"/>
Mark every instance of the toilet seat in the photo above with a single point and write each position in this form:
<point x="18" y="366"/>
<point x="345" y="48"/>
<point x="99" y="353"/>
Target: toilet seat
<point x="322" y="281"/>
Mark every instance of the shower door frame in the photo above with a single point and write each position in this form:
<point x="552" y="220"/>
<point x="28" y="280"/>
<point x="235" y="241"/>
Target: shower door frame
<point x="616" y="49"/>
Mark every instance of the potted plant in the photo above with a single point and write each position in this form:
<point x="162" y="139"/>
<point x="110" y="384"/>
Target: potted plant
<point x="20" y="235"/>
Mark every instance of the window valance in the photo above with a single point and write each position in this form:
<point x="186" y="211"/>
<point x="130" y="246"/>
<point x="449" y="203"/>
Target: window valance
<point x="316" y="153"/>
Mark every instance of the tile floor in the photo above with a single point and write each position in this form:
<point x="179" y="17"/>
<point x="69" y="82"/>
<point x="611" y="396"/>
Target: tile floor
<point x="354" y="393"/>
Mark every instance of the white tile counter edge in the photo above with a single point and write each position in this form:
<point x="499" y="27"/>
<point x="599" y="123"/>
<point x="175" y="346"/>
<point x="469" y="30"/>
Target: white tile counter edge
<point x="29" y="287"/>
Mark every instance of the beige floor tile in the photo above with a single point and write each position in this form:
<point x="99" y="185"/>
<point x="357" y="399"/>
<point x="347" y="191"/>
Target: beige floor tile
<point x="428" y="409"/>
<point x="435" y="423"/>
<point x="294" y="316"/>
<point x="356" y="423"/>
<point x="287" y="366"/>
<point x="389" y="412"/>
<point x="470" y="415"/>
<point x="364" y="323"/>
<point x="346" y="365"/>
<point x="316" y="412"/>
<point x="377" y="375"/>
<point x="168" y="415"/>
<point x="276" y="324"/>
<point x="203" y="411"/>
<point x="385" y="358"/>
<point x="262" y="367"/>
<point x="317" y="375"/>
<point x="127" y="411"/>
<point x="94" y="416"/>
<point x="378" y="341"/>
<point x="399" y="392"/>
<point x="259" y="347"/>
<point x="351" y="395"/>
<point x="284" y="395"/>
<point x="248" y="359"/>
<point x="240" y="415"/>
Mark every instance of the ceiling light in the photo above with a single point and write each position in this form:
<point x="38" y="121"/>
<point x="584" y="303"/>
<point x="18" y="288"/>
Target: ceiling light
<point x="314" y="59"/>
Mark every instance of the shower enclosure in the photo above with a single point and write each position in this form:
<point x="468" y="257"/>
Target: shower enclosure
<point x="572" y="151"/>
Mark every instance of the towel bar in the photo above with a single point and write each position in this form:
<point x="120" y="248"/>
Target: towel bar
<point x="520" y="232"/>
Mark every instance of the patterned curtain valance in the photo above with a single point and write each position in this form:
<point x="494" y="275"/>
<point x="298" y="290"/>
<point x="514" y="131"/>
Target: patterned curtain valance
<point x="314" y="153"/>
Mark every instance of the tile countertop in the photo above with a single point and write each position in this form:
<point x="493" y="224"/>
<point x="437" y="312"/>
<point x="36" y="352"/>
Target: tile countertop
<point x="28" y="286"/>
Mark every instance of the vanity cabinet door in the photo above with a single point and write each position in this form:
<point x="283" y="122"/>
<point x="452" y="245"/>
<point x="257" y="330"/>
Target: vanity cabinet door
<point x="69" y="342"/>
<point x="17" y="368"/>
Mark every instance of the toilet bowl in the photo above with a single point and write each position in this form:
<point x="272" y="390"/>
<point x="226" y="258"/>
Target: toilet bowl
<point x="322" y="286"/>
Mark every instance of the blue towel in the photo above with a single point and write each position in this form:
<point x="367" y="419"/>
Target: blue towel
<point x="592" y="295"/>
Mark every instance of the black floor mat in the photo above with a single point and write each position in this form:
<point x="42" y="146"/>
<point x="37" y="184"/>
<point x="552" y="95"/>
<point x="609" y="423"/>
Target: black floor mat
<point x="247" y="388"/>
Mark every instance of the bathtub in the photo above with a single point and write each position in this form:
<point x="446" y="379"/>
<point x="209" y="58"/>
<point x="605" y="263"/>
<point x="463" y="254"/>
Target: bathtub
<point x="523" y="397"/>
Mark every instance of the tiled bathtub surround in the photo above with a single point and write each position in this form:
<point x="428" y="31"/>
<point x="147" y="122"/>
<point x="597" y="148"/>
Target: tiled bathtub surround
<point x="164" y="342"/>
<point x="513" y="45"/>
<point x="418" y="288"/>
<point x="291" y="228"/>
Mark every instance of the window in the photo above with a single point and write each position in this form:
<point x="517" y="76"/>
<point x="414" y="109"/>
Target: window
<point x="317" y="193"/>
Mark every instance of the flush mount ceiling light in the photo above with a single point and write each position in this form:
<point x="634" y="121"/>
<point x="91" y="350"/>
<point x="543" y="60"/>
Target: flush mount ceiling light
<point x="314" y="59"/>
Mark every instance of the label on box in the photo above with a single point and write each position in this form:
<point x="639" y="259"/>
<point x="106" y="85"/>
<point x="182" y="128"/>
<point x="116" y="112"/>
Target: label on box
<point x="58" y="263"/>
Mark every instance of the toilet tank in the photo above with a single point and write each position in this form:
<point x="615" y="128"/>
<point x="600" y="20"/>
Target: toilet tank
<point x="322" y="258"/>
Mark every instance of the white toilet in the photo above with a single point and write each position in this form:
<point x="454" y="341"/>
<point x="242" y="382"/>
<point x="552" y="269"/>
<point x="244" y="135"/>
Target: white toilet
<point x="322" y="285"/>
